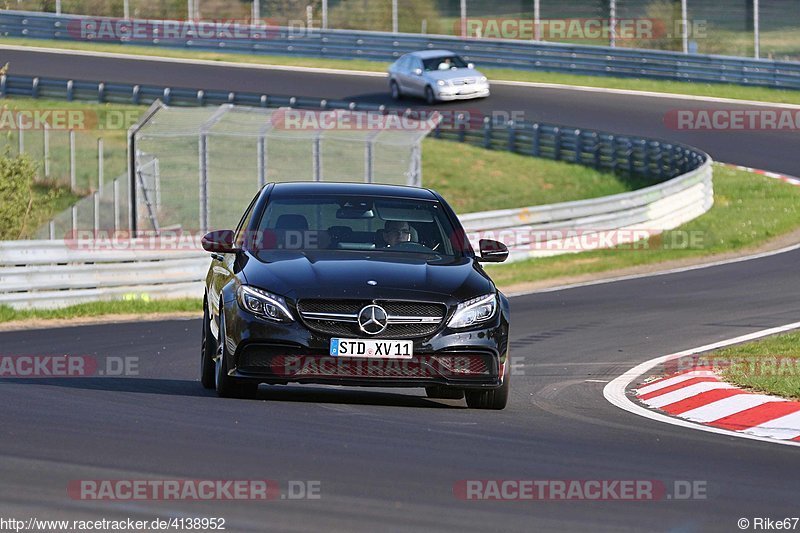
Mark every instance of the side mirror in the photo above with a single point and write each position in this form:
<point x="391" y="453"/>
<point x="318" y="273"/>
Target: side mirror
<point x="220" y="242"/>
<point x="470" y="65"/>
<point x="492" y="251"/>
<point x="418" y="72"/>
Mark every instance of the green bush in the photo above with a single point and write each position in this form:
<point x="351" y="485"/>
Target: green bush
<point x="16" y="194"/>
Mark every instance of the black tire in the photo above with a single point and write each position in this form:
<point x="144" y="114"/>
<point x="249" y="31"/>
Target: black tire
<point x="440" y="392"/>
<point x="395" y="89"/>
<point x="228" y="387"/>
<point x="430" y="96"/>
<point x="208" y="349"/>
<point x="493" y="398"/>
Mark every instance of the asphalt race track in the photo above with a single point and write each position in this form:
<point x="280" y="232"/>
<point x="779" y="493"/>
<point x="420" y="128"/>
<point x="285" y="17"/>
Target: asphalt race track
<point x="387" y="459"/>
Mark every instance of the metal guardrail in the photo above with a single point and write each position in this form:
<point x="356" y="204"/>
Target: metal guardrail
<point x="680" y="189"/>
<point x="49" y="274"/>
<point x="379" y="46"/>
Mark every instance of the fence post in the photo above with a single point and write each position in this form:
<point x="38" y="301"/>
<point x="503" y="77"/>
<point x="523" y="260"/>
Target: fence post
<point x="100" y="160"/>
<point x="203" y="154"/>
<point x="46" y="139"/>
<point x="317" y="155"/>
<point x="74" y="221"/>
<point x="116" y="204"/>
<point x="73" y="183"/>
<point x="20" y="137"/>
<point x="52" y="230"/>
<point x="96" y="198"/>
<point x="578" y="146"/>
<point x="262" y="160"/>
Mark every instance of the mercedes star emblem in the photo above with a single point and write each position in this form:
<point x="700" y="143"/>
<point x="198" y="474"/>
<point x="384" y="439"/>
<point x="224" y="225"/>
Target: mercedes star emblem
<point x="372" y="319"/>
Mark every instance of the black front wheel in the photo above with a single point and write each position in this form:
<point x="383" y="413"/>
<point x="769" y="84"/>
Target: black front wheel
<point x="395" y="88"/>
<point x="493" y="398"/>
<point x="430" y="96"/>
<point x="207" y="350"/>
<point x="227" y="386"/>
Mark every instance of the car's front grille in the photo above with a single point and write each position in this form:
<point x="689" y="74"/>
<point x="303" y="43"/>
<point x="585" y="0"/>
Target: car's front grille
<point x="407" y="319"/>
<point x="465" y="81"/>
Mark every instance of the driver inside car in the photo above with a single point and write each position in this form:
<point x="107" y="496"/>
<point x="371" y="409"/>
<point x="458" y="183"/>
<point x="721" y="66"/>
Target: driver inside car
<point x="396" y="232"/>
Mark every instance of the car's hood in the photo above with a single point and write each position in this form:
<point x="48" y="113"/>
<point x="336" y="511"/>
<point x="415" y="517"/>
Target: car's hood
<point x="453" y="74"/>
<point x="344" y="274"/>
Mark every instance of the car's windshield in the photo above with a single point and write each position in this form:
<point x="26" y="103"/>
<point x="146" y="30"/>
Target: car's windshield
<point x="357" y="223"/>
<point x="443" y="63"/>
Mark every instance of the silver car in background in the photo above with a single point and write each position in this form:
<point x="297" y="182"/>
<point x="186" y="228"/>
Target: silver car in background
<point x="436" y="75"/>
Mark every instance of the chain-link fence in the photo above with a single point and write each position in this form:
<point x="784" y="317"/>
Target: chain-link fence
<point x="195" y="168"/>
<point x="712" y="27"/>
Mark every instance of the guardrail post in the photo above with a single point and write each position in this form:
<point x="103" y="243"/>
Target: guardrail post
<point x="578" y="146"/>
<point x="612" y="142"/>
<point x="20" y="137"/>
<point x="536" y="149"/>
<point x="136" y="95"/>
<point x="3" y="83"/>
<point x="512" y="136"/>
<point x="462" y="130"/>
<point x="35" y="88"/>
<point x="70" y="90"/>
<point x="73" y="180"/>
<point x="597" y="150"/>
<point x="557" y="143"/>
<point x="52" y="230"/>
<point x="630" y="156"/>
<point x="101" y="92"/>
<point x="167" y="93"/>
<point x="487" y="132"/>
<point x="74" y="221"/>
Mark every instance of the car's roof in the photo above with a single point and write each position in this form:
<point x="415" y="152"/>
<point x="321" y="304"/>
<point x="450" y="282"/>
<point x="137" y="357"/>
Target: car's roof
<point x="427" y="54"/>
<point x="306" y="188"/>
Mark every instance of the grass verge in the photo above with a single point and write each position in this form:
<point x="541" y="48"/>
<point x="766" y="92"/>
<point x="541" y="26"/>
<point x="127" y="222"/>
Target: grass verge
<point x="769" y="365"/>
<point x="748" y="211"/>
<point x="96" y="309"/>
<point x="475" y="179"/>
<point x="719" y="90"/>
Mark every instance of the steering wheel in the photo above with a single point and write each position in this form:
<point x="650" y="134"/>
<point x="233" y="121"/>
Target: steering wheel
<point x="410" y="246"/>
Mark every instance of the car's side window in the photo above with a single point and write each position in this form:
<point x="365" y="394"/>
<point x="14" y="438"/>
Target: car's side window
<point x="245" y="221"/>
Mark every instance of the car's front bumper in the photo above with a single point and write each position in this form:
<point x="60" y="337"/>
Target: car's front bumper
<point x="463" y="92"/>
<point x="280" y="353"/>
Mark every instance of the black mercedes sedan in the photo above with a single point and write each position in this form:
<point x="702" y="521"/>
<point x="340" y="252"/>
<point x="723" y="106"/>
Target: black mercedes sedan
<point x="354" y="284"/>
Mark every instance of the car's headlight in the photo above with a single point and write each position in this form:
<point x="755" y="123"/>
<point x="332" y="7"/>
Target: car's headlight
<point x="441" y="83"/>
<point x="483" y="79"/>
<point x="474" y="311"/>
<point x="263" y="304"/>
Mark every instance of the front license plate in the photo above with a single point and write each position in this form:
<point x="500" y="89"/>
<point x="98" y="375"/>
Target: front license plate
<point x="385" y="349"/>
